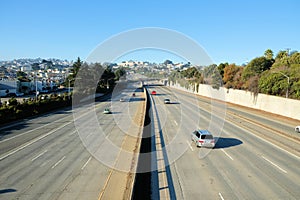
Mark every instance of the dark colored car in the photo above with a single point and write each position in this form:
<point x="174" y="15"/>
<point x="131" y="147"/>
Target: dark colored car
<point x="106" y="111"/>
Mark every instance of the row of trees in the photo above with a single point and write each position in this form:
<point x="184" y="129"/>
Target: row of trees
<point x="91" y="78"/>
<point x="279" y="75"/>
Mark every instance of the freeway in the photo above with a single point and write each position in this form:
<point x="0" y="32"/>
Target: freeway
<point x="257" y="154"/>
<point x="58" y="155"/>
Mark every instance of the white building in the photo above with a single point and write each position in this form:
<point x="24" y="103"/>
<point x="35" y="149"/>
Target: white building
<point x="8" y="87"/>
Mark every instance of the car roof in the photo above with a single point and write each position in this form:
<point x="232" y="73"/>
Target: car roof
<point x="204" y="132"/>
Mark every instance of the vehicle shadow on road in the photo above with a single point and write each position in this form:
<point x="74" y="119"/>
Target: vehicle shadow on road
<point x="153" y="85"/>
<point x="136" y="99"/>
<point x="174" y="103"/>
<point x="115" y="113"/>
<point x="226" y="142"/>
<point x="7" y="191"/>
<point x="158" y="94"/>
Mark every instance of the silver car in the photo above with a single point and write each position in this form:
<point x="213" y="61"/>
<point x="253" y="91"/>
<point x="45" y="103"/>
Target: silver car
<point x="167" y="101"/>
<point x="122" y="99"/>
<point x="203" y="138"/>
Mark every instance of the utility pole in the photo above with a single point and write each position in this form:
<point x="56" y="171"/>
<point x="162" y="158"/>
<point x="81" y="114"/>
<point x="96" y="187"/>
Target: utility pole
<point x="288" y="51"/>
<point x="36" y="90"/>
<point x="288" y="83"/>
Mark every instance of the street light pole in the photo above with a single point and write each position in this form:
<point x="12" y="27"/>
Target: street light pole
<point x="69" y="86"/>
<point x="287" y="90"/>
<point x="288" y="81"/>
<point x="36" y="93"/>
<point x="69" y="89"/>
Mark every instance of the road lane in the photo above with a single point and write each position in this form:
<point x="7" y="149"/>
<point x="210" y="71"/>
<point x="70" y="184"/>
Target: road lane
<point x="58" y="165"/>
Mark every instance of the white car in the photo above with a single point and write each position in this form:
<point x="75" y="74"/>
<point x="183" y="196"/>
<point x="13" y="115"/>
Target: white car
<point x="203" y="138"/>
<point x="167" y="101"/>
<point x="297" y="129"/>
<point x="122" y="99"/>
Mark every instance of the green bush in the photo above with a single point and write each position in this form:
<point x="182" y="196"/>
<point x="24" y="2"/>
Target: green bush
<point x="16" y="111"/>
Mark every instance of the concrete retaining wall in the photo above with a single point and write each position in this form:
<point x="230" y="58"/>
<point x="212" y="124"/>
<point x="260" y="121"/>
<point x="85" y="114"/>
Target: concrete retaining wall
<point x="277" y="105"/>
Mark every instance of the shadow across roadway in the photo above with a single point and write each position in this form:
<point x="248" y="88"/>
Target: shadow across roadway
<point x="3" y="191"/>
<point x="226" y="142"/>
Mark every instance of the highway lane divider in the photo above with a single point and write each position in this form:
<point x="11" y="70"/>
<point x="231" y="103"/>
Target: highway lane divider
<point x="131" y="143"/>
<point x="154" y="180"/>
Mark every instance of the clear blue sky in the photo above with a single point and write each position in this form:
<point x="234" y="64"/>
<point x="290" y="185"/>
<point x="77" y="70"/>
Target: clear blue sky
<point x="230" y="31"/>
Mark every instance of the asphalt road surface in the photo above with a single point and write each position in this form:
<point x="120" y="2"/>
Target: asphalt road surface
<point x="49" y="157"/>
<point x="256" y="155"/>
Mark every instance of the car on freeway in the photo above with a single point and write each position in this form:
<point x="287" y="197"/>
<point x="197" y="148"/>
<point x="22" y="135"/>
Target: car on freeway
<point x="297" y="129"/>
<point x="167" y="101"/>
<point x="106" y="111"/>
<point x="203" y="138"/>
<point x="122" y="99"/>
<point x="153" y="92"/>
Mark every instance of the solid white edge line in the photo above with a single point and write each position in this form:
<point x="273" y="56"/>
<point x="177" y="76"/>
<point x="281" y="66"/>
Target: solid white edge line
<point x="274" y="165"/>
<point x="86" y="163"/>
<point x="36" y="157"/>
<point x="33" y="141"/>
<point x="220" y="195"/>
<point x="58" y="162"/>
<point x="227" y="154"/>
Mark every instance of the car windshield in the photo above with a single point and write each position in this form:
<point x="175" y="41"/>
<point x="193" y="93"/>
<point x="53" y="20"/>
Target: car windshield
<point x="206" y="137"/>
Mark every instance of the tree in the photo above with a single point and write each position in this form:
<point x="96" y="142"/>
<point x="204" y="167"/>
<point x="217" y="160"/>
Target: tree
<point x="232" y="76"/>
<point x="294" y="58"/>
<point x="69" y="82"/>
<point x="216" y="80"/>
<point x="12" y="101"/>
<point x="281" y="78"/>
<point x="269" y="54"/>
<point x="76" y="66"/>
<point x="221" y="68"/>
<point x="21" y="74"/>
<point x="190" y="72"/>
<point x="256" y="67"/>
<point x="120" y="73"/>
<point x="238" y="82"/>
<point x="253" y="71"/>
<point x="167" y="62"/>
<point x="281" y="55"/>
<point x="212" y="76"/>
